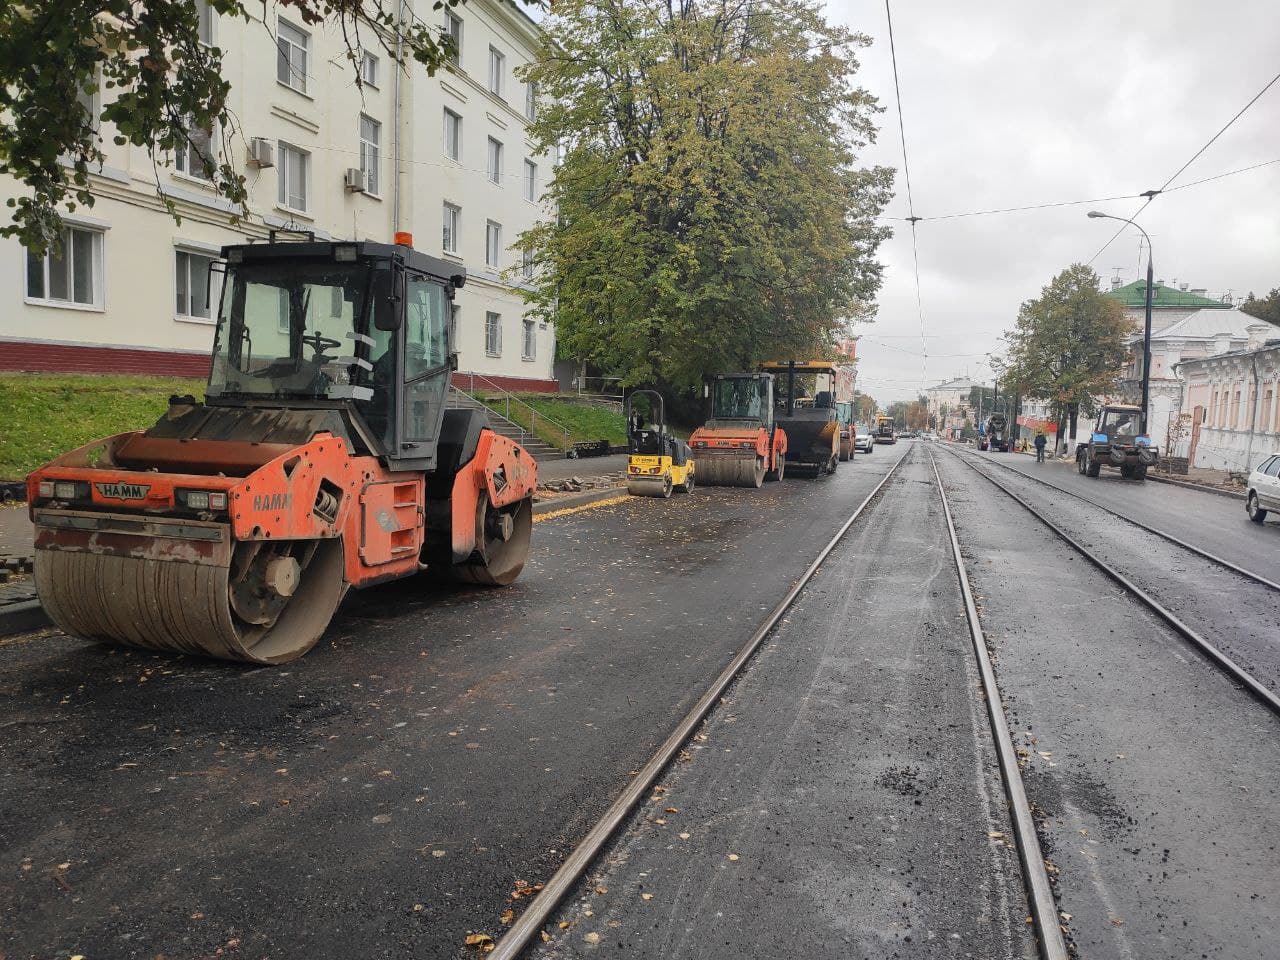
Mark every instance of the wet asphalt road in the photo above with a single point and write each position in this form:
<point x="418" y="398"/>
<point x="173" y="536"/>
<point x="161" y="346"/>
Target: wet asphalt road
<point x="1155" y="776"/>
<point x="383" y="796"/>
<point x="821" y="811"/>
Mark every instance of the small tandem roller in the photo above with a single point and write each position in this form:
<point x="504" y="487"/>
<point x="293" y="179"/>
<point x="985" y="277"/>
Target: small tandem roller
<point x="323" y="458"/>
<point x="658" y="463"/>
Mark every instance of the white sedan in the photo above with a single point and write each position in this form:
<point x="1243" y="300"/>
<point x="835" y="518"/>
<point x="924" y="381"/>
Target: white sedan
<point x="863" y="443"/>
<point x="1264" y="489"/>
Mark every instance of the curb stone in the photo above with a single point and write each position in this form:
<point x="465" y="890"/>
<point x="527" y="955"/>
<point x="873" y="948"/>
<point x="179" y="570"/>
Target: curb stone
<point x="1233" y="494"/>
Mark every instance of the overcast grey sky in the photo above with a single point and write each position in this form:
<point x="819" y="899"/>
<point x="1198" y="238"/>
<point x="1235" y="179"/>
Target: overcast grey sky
<point x="1013" y="102"/>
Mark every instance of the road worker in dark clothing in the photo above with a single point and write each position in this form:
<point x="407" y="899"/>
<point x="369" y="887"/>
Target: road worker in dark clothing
<point x="1040" y="442"/>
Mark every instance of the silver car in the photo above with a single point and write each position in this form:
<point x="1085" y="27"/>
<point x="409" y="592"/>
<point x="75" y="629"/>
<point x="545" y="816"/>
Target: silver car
<point x="1264" y="489"/>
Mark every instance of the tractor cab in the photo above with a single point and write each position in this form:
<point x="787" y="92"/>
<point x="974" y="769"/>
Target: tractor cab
<point x="657" y="462"/>
<point x="356" y="334"/>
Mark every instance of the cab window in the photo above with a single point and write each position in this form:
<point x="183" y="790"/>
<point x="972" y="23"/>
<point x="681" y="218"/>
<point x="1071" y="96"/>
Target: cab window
<point x="426" y="342"/>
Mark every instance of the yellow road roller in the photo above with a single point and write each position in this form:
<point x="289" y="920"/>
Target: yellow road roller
<point x="657" y="462"/>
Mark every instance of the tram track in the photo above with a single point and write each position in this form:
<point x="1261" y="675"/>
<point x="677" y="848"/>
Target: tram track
<point x="1171" y="538"/>
<point x="1203" y="644"/>
<point x="1040" y="898"/>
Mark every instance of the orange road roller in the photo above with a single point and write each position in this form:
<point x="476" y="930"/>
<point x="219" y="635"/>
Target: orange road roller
<point x="325" y="456"/>
<point x="740" y="445"/>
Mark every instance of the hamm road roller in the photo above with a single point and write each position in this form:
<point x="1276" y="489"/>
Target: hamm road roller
<point x="741" y="445"/>
<point x="324" y="457"/>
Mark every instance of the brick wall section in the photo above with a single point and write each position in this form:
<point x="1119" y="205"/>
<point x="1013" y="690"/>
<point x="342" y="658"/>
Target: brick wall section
<point x="35" y="357"/>
<point x="66" y="358"/>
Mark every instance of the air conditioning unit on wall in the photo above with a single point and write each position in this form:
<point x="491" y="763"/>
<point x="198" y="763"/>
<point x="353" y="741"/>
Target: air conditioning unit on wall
<point x="262" y="152"/>
<point x="355" y="180"/>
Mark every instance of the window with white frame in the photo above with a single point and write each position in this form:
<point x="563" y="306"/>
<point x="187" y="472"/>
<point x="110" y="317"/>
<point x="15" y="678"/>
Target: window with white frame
<point x="492" y="243"/>
<point x="69" y="273"/>
<point x="370" y="151"/>
<point x="452" y="135"/>
<point x="529" y="349"/>
<point x="194" y="289"/>
<point x="195" y="157"/>
<point x="369" y="69"/>
<point x="90" y="103"/>
<point x="453" y="30"/>
<point x="293" y="172"/>
<point x="526" y="262"/>
<point x="452" y="224"/>
<point x="293" y="54"/>
<point x="495" y="160"/>
<point x="530" y="181"/>
<point x="493" y="334"/>
<point x="497" y="71"/>
<point x="531" y="101"/>
<point x="205" y="16"/>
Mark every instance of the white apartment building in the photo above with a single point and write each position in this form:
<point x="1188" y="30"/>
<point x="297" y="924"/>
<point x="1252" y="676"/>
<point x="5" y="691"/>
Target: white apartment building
<point x="130" y="291"/>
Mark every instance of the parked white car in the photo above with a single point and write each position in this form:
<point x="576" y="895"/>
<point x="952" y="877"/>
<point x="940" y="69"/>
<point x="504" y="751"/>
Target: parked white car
<point x="1264" y="489"/>
<point x="863" y="443"/>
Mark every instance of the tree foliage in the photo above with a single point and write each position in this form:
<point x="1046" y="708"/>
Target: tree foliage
<point x="1068" y="345"/>
<point x="711" y="213"/>
<point x="864" y="408"/>
<point x="142" y="64"/>
<point x="1265" y="308"/>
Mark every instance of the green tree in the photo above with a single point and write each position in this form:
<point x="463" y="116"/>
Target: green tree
<point x="143" y="61"/>
<point x="711" y="213"/>
<point x="1068" y="345"/>
<point x="1267" y="308"/>
<point x="864" y="409"/>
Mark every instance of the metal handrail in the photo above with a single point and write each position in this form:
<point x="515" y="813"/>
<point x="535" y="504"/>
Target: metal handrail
<point x="507" y="397"/>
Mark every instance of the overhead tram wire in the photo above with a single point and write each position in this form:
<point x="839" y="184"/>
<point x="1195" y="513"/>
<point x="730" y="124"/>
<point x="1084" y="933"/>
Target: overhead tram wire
<point x="911" y="208"/>
<point x="1152" y="194"/>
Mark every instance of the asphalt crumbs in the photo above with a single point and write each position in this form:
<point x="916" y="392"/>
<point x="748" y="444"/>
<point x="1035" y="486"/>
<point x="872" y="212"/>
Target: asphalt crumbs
<point x="1153" y="775"/>
<point x="821" y="811"/>
<point x="386" y="795"/>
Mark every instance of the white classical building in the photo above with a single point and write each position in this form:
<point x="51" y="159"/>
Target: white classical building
<point x="948" y="404"/>
<point x="446" y="158"/>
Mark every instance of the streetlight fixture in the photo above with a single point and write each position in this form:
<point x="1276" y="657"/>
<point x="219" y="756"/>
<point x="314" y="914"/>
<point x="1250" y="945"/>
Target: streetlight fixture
<point x="1146" y="336"/>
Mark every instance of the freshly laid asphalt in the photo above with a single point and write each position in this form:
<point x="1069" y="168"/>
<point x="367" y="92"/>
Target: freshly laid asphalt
<point x="1155" y="775"/>
<point x="384" y="795"/>
<point x="843" y="799"/>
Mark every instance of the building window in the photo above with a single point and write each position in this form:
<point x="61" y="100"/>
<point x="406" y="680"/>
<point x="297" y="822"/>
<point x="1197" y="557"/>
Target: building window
<point x="369" y="69"/>
<point x="495" y="161"/>
<point x="71" y="274"/>
<point x="195" y="298"/>
<point x="293" y="174"/>
<point x="453" y="30"/>
<point x="492" y="243"/>
<point x="195" y="157"/>
<point x="293" y="51"/>
<point x="452" y="222"/>
<point x="205" y="16"/>
<point x="531" y="101"/>
<point x="529" y="350"/>
<point x="370" y="142"/>
<point x="526" y="262"/>
<point x="493" y="334"/>
<point x="497" y="71"/>
<point x="88" y="101"/>
<point x="530" y="181"/>
<point x="452" y="135"/>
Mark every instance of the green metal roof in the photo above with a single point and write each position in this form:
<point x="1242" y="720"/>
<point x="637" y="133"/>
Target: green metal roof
<point x="1135" y="295"/>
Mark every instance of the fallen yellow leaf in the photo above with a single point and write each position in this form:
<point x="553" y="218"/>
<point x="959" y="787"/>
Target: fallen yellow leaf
<point x="733" y="856"/>
<point x="507" y="916"/>
<point x="481" y="941"/>
<point x="591" y="937"/>
<point x="646" y="896"/>
<point x="602" y="890"/>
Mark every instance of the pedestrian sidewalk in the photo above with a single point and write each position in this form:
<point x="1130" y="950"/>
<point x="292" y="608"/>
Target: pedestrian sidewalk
<point x="585" y="473"/>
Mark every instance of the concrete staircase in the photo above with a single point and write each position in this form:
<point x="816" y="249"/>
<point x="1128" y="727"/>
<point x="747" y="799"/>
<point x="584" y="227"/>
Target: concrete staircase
<point x="537" y="449"/>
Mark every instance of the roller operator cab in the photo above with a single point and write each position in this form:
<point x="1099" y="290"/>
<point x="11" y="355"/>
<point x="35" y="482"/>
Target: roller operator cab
<point x="1118" y="440"/>
<point x="884" y="432"/>
<point x="657" y="462"/>
<point x="323" y="457"/>
<point x="805" y="405"/>
<point x="741" y="444"/>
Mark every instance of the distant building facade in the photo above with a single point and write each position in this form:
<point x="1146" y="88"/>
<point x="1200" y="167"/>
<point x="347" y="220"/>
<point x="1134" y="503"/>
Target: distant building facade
<point x="132" y="289"/>
<point x="948" y="404"/>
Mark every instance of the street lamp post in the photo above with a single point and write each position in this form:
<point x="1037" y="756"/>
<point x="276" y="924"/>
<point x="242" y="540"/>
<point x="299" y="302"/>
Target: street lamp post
<point x="1146" y="335"/>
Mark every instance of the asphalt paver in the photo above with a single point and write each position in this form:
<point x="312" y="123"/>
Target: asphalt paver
<point x="843" y="799"/>
<point x="388" y="794"/>
<point x="1154" y="775"/>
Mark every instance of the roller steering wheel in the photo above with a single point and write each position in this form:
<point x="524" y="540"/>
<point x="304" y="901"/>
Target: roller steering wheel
<point x="320" y="343"/>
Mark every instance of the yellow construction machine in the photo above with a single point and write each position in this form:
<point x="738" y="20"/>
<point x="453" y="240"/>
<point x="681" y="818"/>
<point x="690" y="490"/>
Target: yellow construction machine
<point x="658" y="463"/>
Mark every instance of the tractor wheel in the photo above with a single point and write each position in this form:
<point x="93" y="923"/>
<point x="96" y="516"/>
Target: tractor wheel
<point x="1140" y="472"/>
<point x="1080" y="465"/>
<point x="1254" y="509"/>
<point x="1092" y="466"/>
<point x="1126" y="471"/>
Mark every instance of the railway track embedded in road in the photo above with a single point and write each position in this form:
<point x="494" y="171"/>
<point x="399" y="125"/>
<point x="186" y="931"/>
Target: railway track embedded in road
<point x="1177" y="541"/>
<point x="1040" y="897"/>
<point x="1202" y="643"/>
